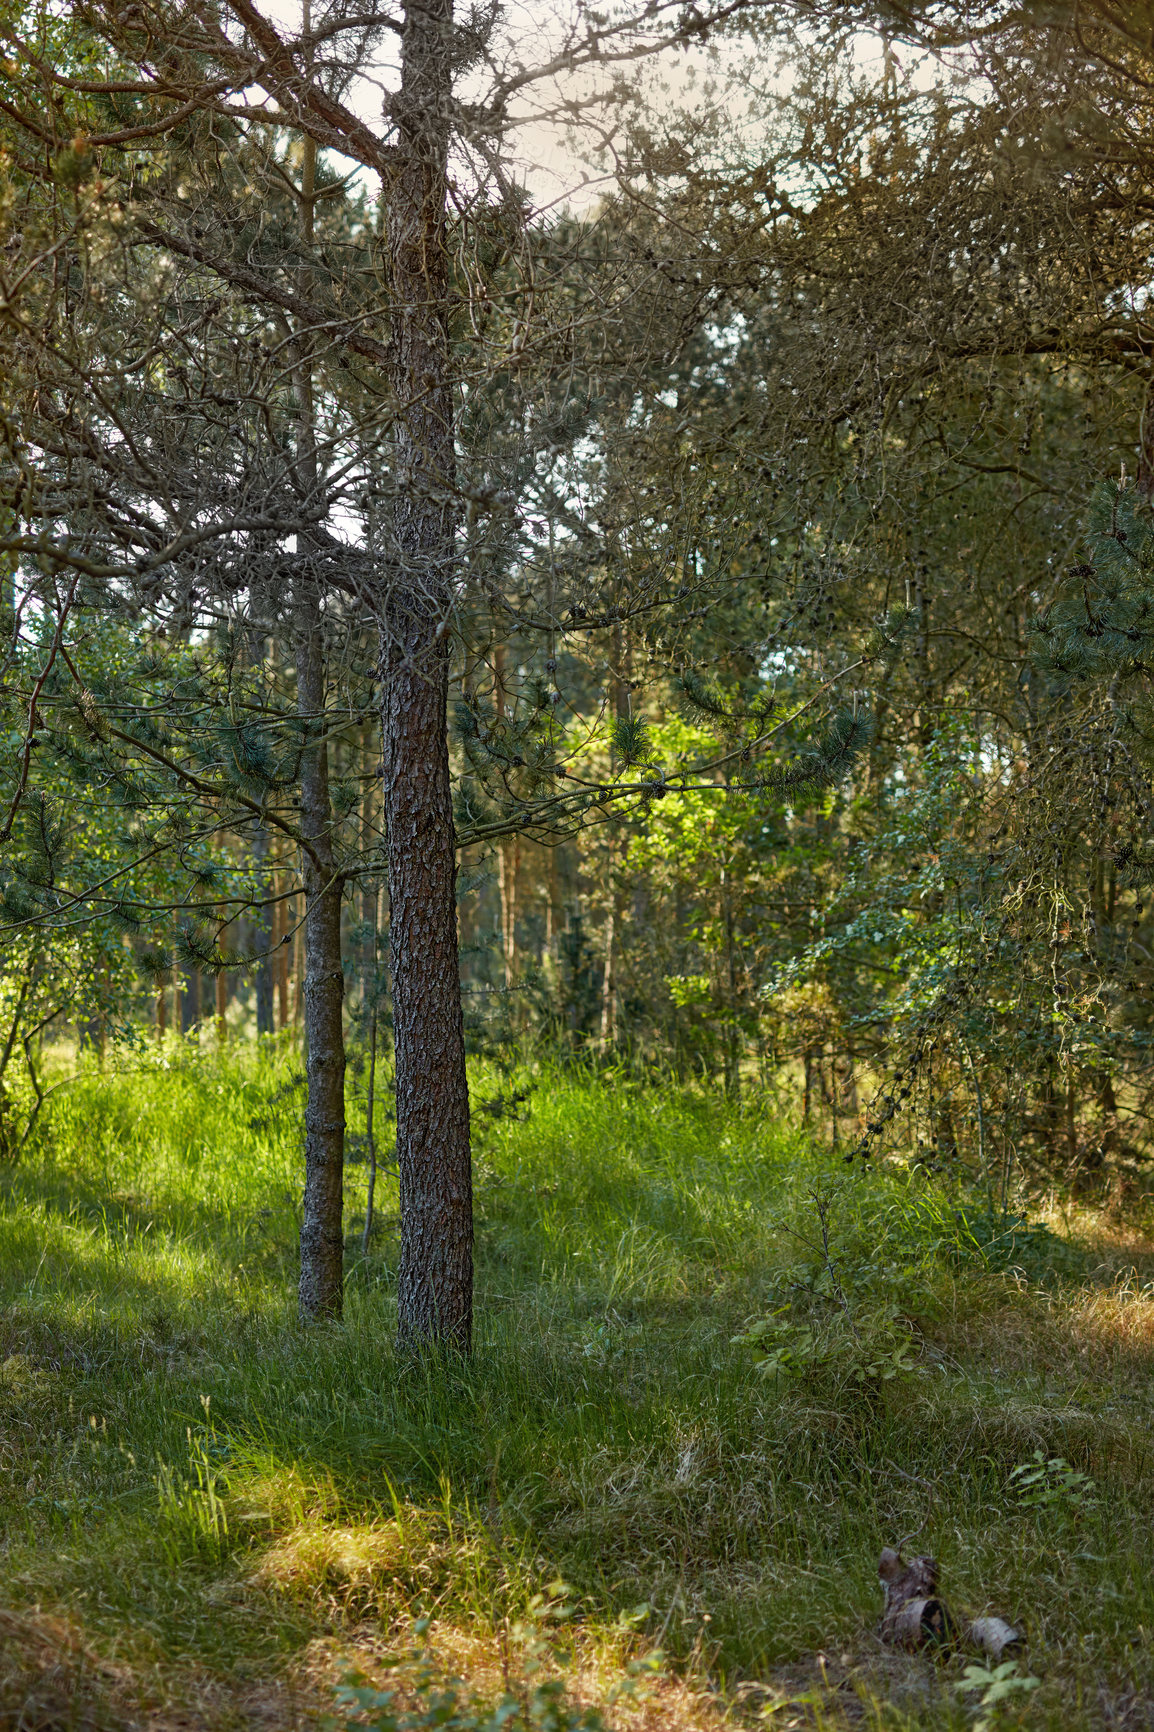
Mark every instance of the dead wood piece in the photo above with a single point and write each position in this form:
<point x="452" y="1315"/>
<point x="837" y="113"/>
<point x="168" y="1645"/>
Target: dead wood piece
<point x="901" y="1581"/>
<point x="914" y="1616"/>
<point x="993" y="1636"/>
<point x="920" y="1624"/>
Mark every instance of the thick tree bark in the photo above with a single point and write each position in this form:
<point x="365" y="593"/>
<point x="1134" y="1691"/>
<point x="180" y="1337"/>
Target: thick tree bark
<point x="435" y="1284"/>
<point x="322" y="1231"/>
<point x="434" y="1292"/>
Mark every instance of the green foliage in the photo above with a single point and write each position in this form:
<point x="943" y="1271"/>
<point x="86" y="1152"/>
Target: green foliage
<point x="1052" y="1484"/>
<point x="869" y="1347"/>
<point x="446" y="1702"/>
<point x="997" y="1684"/>
<point x="728" y="714"/>
<point x="537" y="1702"/>
<point x="843" y="1322"/>
<point x="631" y="740"/>
<point x="1102" y="622"/>
<point x="846" y="738"/>
<point x="1006" y="1239"/>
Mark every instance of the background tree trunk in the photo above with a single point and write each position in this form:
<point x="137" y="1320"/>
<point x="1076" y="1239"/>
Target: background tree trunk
<point x="187" y="986"/>
<point x="322" y="1230"/>
<point x="435" y="1283"/>
<point x="280" y="951"/>
<point x="508" y="848"/>
<point x="221" y="1007"/>
<point x="553" y="916"/>
<point x="508" y="862"/>
<point x="262" y="934"/>
<point x="608" y="1026"/>
<point x="298" y="967"/>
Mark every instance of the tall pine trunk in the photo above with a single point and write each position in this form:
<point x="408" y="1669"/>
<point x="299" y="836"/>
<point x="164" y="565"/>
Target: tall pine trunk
<point x="322" y="1237"/>
<point x="321" y="1289"/>
<point x="435" y="1283"/>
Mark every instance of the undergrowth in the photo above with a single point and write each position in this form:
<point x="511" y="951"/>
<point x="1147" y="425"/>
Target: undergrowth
<point x="715" y="1374"/>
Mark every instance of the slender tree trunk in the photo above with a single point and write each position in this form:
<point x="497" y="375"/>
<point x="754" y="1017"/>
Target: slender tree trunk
<point x="280" y="952"/>
<point x="161" y="1012"/>
<point x="608" y="1030"/>
<point x="553" y="904"/>
<point x="508" y="862"/>
<point x="278" y="955"/>
<point x="298" y="967"/>
<point x="732" y="1032"/>
<point x="370" y="1131"/>
<point x="466" y="917"/>
<point x="1071" y="1119"/>
<point x="322" y="1231"/>
<point x="508" y="849"/>
<point x="262" y="934"/>
<point x="620" y="692"/>
<point x="369" y="886"/>
<point x="188" y="990"/>
<point x="221" y="1007"/>
<point x="321" y="1289"/>
<point x="435" y="1282"/>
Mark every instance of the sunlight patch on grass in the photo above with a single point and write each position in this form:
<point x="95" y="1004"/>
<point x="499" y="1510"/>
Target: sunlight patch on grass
<point x="317" y="1558"/>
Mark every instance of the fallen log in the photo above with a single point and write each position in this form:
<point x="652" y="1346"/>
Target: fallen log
<point x="916" y="1617"/>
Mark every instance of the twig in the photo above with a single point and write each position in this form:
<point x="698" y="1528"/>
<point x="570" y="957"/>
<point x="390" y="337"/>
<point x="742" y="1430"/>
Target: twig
<point x="30" y="734"/>
<point x="822" y="1201"/>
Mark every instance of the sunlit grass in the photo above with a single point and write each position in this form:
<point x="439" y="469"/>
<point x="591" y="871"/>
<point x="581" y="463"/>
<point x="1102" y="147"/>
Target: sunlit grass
<point x="221" y="1507"/>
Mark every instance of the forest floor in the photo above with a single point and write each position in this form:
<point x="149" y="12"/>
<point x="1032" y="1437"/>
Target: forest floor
<point x="212" y="1518"/>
